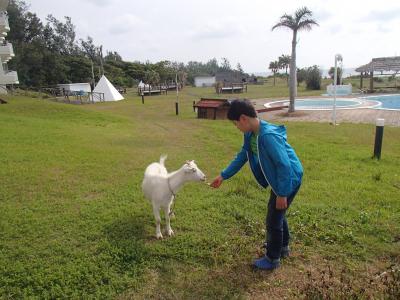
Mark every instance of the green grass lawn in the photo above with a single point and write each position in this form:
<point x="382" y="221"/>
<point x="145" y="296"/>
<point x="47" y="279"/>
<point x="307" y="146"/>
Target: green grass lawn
<point x="74" y="223"/>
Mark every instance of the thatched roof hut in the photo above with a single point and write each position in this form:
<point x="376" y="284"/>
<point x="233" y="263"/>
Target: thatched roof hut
<point x="379" y="64"/>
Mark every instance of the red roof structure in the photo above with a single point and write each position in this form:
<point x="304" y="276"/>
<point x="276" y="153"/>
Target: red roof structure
<point x="212" y="108"/>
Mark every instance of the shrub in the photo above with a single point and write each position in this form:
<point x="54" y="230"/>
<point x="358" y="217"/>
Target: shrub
<point x="313" y="78"/>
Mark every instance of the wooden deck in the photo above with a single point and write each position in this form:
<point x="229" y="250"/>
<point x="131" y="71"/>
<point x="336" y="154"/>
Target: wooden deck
<point x="363" y="115"/>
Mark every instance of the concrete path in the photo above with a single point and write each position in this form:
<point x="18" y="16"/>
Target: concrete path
<point x="363" y="115"/>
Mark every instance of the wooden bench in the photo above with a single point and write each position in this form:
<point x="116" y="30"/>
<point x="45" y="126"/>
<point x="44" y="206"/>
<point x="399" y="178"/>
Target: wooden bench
<point x="231" y="88"/>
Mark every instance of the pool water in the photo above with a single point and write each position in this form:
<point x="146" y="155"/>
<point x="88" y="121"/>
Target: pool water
<point x="325" y="103"/>
<point x="388" y="101"/>
<point x="320" y="103"/>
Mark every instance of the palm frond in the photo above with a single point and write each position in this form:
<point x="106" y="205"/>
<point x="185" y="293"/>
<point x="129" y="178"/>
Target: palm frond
<point x="307" y="24"/>
<point x="285" y="21"/>
<point x="302" y="13"/>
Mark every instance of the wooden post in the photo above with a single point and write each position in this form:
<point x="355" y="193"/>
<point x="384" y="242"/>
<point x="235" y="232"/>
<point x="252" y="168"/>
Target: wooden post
<point x="361" y="80"/>
<point x="194" y="108"/>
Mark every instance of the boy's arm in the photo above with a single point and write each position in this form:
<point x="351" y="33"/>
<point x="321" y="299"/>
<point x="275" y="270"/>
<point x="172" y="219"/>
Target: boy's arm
<point x="275" y="148"/>
<point x="235" y="165"/>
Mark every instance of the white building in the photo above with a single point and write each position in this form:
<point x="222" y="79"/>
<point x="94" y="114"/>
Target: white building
<point x="203" y="81"/>
<point x="6" y="51"/>
<point x="75" y="87"/>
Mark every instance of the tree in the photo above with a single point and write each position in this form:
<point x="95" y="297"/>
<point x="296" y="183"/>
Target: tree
<point x="239" y="68"/>
<point x="151" y="77"/>
<point x="226" y="66"/>
<point x="135" y="70"/>
<point x="301" y="75"/>
<point x="274" y="67"/>
<point x="61" y="37"/>
<point x="89" y="48"/>
<point x="301" y="20"/>
<point x="79" y="68"/>
<point x="313" y="78"/>
<point x="113" y="56"/>
<point x="283" y="62"/>
<point x="212" y="66"/>
<point x="331" y="74"/>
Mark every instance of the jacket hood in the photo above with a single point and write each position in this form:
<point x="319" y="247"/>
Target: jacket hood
<point x="268" y="128"/>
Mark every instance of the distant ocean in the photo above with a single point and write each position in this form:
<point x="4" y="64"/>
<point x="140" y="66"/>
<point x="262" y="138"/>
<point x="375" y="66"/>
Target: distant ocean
<point x="347" y="72"/>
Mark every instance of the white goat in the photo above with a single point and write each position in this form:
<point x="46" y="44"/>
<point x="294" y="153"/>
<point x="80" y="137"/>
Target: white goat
<point x="160" y="187"/>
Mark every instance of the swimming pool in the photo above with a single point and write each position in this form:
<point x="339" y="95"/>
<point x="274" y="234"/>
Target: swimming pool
<point x="391" y="102"/>
<point x="326" y="103"/>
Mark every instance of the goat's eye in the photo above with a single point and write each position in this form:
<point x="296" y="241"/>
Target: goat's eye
<point x="193" y="170"/>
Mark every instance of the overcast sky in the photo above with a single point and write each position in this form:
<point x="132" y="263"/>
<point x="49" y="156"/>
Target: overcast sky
<point x="180" y="30"/>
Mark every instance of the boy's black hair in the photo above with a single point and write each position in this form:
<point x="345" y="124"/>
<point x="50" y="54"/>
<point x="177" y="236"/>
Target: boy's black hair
<point x="240" y="107"/>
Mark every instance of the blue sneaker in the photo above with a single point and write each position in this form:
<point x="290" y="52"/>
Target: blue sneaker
<point x="265" y="264"/>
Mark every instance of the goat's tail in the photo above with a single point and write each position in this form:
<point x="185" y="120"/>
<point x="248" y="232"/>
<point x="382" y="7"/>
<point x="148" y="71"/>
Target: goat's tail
<point x="163" y="158"/>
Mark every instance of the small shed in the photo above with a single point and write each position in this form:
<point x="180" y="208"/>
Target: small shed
<point x="212" y="108"/>
<point x="204" y="81"/>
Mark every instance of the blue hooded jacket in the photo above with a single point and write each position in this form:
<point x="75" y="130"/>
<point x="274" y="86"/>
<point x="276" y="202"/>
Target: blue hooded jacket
<point x="277" y="165"/>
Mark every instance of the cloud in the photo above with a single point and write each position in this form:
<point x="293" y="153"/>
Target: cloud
<point x="321" y="15"/>
<point x="383" y="15"/>
<point x="335" y="28"/>
<point x="215" y="30"/>
<point x="126" y="23"/>
<point x="100" y="2"/>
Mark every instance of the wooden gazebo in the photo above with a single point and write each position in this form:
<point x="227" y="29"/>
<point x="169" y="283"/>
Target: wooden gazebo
<point x="390" y="65"/>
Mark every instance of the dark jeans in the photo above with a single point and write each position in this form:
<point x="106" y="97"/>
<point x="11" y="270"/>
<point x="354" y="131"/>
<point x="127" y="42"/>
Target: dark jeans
<point x="277" y="227"/>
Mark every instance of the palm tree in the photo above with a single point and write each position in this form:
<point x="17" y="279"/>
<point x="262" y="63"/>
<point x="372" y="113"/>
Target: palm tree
<point x="301" y="20"/>
<point x="284" y="62"/>
<point x="274" y="66"/>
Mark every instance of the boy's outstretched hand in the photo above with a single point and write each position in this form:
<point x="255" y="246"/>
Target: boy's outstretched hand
<point x="217" y="182"/>
<point x="281" y="203"/>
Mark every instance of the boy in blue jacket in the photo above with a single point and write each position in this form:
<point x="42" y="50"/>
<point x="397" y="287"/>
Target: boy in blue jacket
<point x="273" y="163"/>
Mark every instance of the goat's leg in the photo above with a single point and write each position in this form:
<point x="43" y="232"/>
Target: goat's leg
<point x="167" y="220"/>
<point x="171" y="212"/>
<point x="156" y="212"/>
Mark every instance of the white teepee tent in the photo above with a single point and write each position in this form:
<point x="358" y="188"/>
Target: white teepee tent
<point x="110" y="92"/>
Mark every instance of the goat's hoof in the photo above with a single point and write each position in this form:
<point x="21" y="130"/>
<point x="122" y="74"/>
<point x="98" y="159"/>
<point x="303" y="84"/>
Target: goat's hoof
<point x="159" y="236"/>
<point x="170" y="232"/>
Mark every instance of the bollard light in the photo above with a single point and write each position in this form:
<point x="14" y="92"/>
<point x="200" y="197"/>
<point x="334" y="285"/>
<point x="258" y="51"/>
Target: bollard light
<point x="380" y="124"/>
<point x="142" y="98"/>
